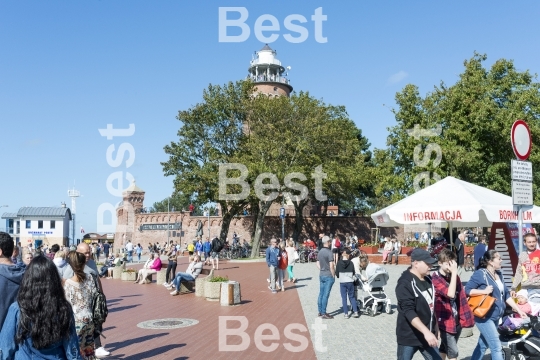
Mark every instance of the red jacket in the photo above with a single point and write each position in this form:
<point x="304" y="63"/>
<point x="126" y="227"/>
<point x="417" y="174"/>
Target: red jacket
<point x="283" y="261"/>
<point x="443" y="306"/>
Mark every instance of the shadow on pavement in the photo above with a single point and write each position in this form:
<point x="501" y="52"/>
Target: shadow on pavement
<point x="154" y="352"/>
<point x="304" y="279"/>
<point x="293" y="287"/>
<point x="119" y="345"/>
<point x="124" y="296"/>
<point x="109" y="301"/>
<point x="109" y="328"/>
<point x="120" y="308"/>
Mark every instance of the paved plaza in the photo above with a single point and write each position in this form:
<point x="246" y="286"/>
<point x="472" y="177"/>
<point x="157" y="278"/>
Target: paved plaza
<point x="198" y="334"/>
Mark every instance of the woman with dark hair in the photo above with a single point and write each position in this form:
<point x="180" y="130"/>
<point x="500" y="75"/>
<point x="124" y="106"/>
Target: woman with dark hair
<point x="80" y="291"/>
<point x="488" y="280"/>
<point x="40" y="324"/>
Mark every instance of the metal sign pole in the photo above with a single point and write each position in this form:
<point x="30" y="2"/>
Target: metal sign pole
<point x="520" y="228"/>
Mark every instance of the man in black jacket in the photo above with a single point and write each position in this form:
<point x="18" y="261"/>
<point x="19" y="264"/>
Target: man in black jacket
<point x="417" y="328"/>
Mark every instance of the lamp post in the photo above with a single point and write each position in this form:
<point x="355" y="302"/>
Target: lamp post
<point x="208" y="213"/>
<point x="168" y="220"/>
<point x="1" y="206"/>
<point x="282" y="215"/>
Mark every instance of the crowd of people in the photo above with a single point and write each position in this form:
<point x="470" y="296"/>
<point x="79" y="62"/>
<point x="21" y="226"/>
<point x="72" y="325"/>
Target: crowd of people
<point x="48" y="303"/>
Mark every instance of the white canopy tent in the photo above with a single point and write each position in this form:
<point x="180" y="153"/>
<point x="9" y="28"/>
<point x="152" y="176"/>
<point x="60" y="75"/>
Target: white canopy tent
<point x="457" y="203"/>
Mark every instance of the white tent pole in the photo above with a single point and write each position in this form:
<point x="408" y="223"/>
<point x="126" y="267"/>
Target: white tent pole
<point x="450" y="230"/>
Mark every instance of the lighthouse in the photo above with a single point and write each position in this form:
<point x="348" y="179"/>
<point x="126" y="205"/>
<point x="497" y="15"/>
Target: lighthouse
<point x="268" y="74"/>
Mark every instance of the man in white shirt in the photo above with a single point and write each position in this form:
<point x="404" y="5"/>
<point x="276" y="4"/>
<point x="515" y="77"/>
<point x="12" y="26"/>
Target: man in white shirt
<point x="129" y="249"/>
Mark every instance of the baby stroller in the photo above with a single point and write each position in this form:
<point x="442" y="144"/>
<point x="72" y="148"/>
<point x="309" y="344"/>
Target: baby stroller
<point x="373" y="298"/>
<point x="517" y="338"/>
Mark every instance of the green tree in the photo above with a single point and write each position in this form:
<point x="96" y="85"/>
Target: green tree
<point x="210" y="135"/>
<point x="178" y="201"/>
<point x="301" y="134"/>
<point x="472" y="120"/>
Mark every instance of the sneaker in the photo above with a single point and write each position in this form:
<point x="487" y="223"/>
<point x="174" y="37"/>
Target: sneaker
<point x="270" y="288"/>
<point x="356" y="315"/>
<point x="347" y="316"/>
<point x="274" y="292"/>
<point x="174" y="293"/>
<point x="268" y="281"/>
<point x="319" y="315"/>
<point x="327" y="316"/>
<point x="166" y="284"/>
<point x="102" y="352"/>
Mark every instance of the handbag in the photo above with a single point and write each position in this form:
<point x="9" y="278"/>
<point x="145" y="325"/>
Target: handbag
<point x="481" y="304"/>
<point x="296" y="256"/>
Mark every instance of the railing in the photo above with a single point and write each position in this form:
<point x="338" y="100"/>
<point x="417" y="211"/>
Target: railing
<point x="271" y="78"/>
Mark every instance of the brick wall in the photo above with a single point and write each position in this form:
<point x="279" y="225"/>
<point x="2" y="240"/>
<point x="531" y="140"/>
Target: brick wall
<point x="243" y="226"/>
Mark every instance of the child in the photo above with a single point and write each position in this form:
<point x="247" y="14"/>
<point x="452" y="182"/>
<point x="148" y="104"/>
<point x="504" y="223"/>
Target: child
<point x="345" y="273"/>
<point x="523" y="301"/>
<point x="451" y="308"/>
<point x="283" y="262"/>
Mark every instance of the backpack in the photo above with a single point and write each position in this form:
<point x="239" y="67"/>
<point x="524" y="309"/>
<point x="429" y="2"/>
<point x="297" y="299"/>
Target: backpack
<point x="337" y="243"/>
<point x="99" y="308"/>
<point x="219" y="245"/>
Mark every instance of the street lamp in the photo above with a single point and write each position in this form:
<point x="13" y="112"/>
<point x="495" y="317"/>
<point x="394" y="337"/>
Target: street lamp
<point x="1" y="206"/>
<point x="282" y="216"/>
<point x="208" y="213"/>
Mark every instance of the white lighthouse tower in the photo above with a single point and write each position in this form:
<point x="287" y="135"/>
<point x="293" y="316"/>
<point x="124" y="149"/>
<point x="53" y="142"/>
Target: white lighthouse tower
<point x="269" y="75"/>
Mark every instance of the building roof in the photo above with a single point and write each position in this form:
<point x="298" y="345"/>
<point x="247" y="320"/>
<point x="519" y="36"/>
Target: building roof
<point x="59" y="212"/>
<point x="9" y="215"/>
<point x="266" y="47"/>
<point x="134" y="187"/>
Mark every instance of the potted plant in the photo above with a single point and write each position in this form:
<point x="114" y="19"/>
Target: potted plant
<point x="370" y="247"/>
<point x="212" y="287"/>
<point x="408" y="248"/>
<point x="129" y="274"/>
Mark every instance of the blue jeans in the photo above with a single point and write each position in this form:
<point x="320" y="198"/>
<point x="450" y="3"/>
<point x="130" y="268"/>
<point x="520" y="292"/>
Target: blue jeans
<point x="347" y="289"/>
<point x="130" y="256"/>
<point x="489" y="338"/>
<point x="182" y="276"/>
<point x="326" y="285"/>
<point x="405" y="352"/>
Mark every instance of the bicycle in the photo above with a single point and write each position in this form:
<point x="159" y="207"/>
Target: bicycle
<point x="468" y="265"/>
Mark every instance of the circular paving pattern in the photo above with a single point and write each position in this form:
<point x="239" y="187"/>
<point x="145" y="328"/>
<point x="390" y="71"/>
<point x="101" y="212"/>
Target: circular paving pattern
<point x="173" y="323"/>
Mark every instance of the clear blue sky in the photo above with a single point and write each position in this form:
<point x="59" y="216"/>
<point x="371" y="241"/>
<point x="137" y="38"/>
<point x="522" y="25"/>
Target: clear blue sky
<point x="70" y="68"/>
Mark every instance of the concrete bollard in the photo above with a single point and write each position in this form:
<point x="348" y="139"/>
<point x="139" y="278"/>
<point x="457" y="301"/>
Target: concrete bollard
<point x="230" y="293"/>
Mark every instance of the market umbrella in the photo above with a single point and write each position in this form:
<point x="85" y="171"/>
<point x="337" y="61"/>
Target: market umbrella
<point x="455" y="202"/>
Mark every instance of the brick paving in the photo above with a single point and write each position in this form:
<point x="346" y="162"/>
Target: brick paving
<point x="130" y="304"/>
<point x="365" y="338"/>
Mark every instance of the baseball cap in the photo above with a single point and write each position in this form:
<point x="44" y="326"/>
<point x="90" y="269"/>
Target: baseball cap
<point x="422" y="255"/>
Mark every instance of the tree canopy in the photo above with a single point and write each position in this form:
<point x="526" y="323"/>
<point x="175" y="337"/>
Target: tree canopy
<point x="278" y="135"/>
<point x="462" y="130"/>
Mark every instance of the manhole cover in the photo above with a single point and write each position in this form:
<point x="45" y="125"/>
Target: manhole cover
<point x="167" y="323"/>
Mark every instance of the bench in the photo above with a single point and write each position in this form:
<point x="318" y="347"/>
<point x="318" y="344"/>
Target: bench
<point x="160" y="275"/>
<point x="198" y="284"/>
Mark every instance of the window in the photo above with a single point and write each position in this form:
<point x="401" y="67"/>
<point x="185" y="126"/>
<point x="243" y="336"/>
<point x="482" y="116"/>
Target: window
<point x="40" y="224"/>
<point x="53" y="224"/>
<point x="28" y="224"/>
